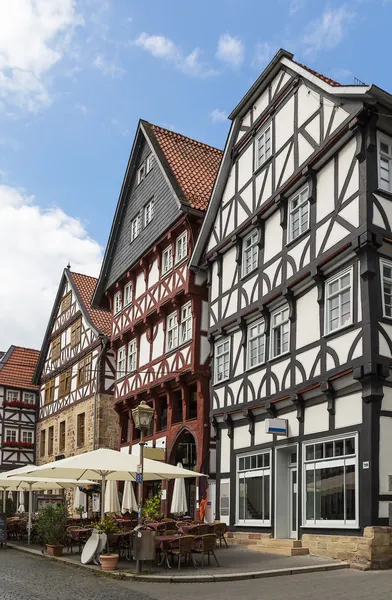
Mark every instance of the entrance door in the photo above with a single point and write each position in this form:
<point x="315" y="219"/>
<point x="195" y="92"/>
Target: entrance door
<point x="293" y="501"/>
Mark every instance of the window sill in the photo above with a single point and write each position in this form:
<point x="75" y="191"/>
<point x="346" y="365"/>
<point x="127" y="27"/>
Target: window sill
<point x="338" y="330"/>
<point x="275" y="358"/>
<point x="179" y="262"/>
<point x="255" y="367"/>
<point x="221" y="381"/>
<point x="330" y="525"/>
<point x="249" y="275"/>
<point x="168" y="352"/>
<point x="299" y="238"/>
<point x="382" y="191"/>
<point x="254" y="523"/>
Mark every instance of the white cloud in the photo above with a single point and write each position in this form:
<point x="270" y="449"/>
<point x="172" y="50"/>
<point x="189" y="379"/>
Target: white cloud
<point x="230" y="50"/>
<point x="82" y="108"/>
<point x="263" y="54"/>
<point x="295" y="6"/>
<point x="33" y="37"/>
<point x="107" y="67"/>
<point x="218" y="116"/>
<point x="329" y="30"/>
<point x="164" y="48"/>
<point x="36" y="246"/>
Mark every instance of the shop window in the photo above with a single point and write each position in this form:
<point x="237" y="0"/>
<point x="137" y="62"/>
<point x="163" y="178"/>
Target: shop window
<point x="254" y="488"/>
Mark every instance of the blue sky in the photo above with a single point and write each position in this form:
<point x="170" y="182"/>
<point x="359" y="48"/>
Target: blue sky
<point x="76" y="75"/>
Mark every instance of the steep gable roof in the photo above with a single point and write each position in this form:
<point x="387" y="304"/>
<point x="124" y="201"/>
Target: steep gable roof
<point x="192" y="164"/>
<point x="189" y="168"/>
<point x="18" y="366"/>
<point x="98" y="318"/>
<point x="319" y="75"/>
<point x="85" y="286"/>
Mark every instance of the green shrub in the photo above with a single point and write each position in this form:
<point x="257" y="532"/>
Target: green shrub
<point x="152" y="508"/>
<point x="51" y="524"/>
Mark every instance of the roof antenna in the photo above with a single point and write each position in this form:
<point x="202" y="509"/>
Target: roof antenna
<point x="68" y="265"/>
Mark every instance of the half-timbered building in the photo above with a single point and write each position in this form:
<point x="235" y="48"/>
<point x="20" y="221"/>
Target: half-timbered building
<point x="75" y="372"/>
<point x="297" y="244"/>
<point x="159" y="328"/>
<point x="18" y="407"/>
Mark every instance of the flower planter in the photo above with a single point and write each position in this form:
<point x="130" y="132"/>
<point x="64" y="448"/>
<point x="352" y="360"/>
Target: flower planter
<point x="108" y="562"/>
<point x="54" y="550"/>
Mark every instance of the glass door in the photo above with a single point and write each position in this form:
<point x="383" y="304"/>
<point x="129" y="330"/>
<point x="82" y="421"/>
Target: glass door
<point x="293" y="500"/>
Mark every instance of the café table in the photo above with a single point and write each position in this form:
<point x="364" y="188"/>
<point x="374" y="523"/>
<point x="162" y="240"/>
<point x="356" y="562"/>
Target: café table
<point x="78" y="535"/>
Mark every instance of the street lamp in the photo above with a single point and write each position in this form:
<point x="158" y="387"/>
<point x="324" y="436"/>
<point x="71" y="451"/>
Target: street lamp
<point x="142" y="416"/>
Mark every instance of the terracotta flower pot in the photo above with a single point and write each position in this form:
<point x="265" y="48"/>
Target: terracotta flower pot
<point x="109" y="562"/>
<point x="54" y="550"/>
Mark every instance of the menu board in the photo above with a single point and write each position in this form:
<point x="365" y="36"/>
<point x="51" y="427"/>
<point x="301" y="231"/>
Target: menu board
<point x="3" y="529"/>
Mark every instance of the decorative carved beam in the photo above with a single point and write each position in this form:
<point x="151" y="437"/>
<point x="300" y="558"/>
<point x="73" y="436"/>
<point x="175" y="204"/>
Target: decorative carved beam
<point x="230" y="426"/>
<point x="298" y="401"/>
<point x="328" y="391"/>
<point x="248" y="414"/>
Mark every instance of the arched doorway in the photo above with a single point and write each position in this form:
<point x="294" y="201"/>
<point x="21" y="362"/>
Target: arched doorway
<point x="185" y="452"/>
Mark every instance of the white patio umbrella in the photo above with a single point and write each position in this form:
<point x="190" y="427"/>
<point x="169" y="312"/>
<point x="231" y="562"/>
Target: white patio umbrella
<point x="24" y="482"/>
<point x="129" y="503"/>
<point x="80" y="500"/>
<point x="21" y="501"/>
<point x="112" y="503"/>
<point x="106" y="465"/>
<point x="179" y="503"/>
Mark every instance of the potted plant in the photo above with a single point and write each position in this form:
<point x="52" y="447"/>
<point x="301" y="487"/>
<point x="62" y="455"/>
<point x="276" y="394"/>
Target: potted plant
<point x="80" y="511"/>
<point x="108" y="525"/>
<point x="51" y="528"/>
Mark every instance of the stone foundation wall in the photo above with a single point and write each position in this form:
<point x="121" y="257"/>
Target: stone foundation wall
<point x="106" y="435"/>
<point x="373" y="550"/>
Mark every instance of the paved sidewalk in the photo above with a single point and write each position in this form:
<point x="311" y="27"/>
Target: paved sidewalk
<point x="236" y="563"/>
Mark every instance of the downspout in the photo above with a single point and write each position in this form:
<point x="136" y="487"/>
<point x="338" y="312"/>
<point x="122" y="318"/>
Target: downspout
<point x="105" y="342"/>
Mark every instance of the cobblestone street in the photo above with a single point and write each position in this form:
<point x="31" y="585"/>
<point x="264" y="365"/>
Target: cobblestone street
<point x="30" y="578"/>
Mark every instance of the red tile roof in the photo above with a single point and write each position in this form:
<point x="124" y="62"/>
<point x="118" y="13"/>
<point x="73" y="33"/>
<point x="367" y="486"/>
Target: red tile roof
<point x="319" y="75"/>
<point x="85" y="285"/>
<point x="193" y="164"/>
<point x="18" y="368"/>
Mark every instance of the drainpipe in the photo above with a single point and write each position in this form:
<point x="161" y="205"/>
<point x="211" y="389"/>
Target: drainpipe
<point x="105" y="342"/>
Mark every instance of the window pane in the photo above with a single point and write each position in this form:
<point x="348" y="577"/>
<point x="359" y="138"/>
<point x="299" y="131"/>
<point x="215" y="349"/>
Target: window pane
<point x="329" y="487"/>
<point x="266" y="460"/>
<point x="266" y="497"/>
<point x="247" y="462"/>
<point x="253" y="462"/>
<point x="259" y="460"/>
<point x="319" y="451"/>
<point x="339" y="448"/>
<point x="309" y="452"/>
<point x="349" y="446"/>
<point x="241" y="464"/>
<point x="350" y="492"/>
<point x="241" y="508"/>
<point x="310" y="495"/>
<point x="254" y="498"/>
<point x="329" y="449"/>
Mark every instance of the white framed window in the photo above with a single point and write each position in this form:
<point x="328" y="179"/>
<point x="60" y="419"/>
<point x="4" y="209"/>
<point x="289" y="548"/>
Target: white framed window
<point x="128" y="293"/>
<point x="338" y="301"/>
<point x="280" y="332"/>
<point x="256" y="344"/>
<point x="167" y="260"/>
<point x="386" y="287"/>
<point x="135" y="227"/>
<point x="298" y="213"/>
<point x="10" y="435"/>
<point x="254" y="489"/>
<point x="29" y="397"/>
<point x="121" y="362"/>
<point x="222" y="360"/>
<point x="117" y="303"/>
<point x="150" y="162"/>
<point x="148" y="212"/>
<point x="384" y="144"/>
<point x="27" y="437"/>
<point x="263" y="145"/>
<point x="250" y="253"/>
<point x="132" y="356"/>
<point x="330" y="482"/>
<point x="141" y="173"/>
<point x="186" y="323"/>
<point x="171" y="332"/>
<point x="12" y="396"/>
<point x="181" y="247"/>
